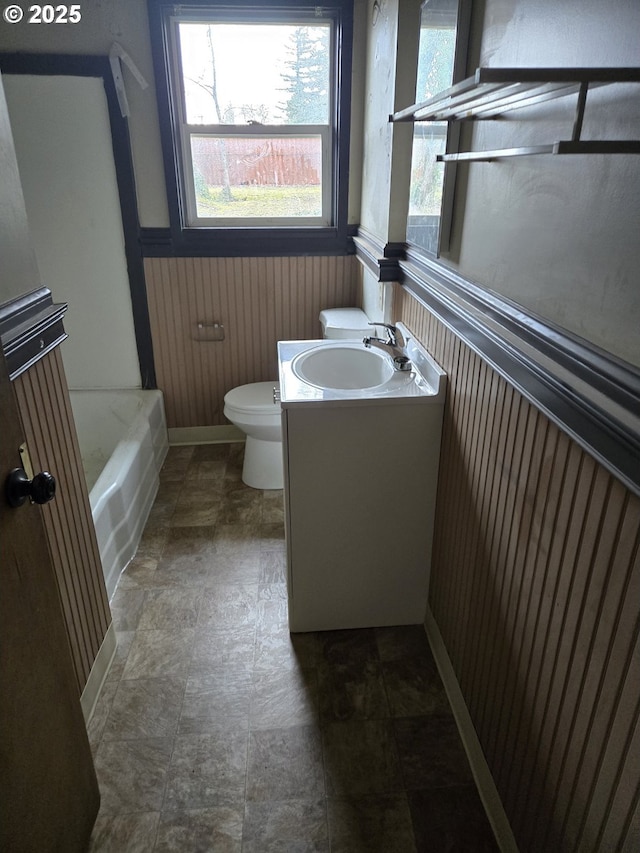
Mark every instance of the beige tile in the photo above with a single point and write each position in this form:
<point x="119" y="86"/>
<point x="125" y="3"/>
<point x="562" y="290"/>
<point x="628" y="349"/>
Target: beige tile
<point x="226" y="568"/>
<point x="214" y="649"/>
<point x="152" y="542"/>
<point x="199" y="505"/>
<point x="237" y="540"/>
<point x="360" y="758"/>
<point x="297" y="825"/>
<point x="126" y="607"/>
<point x="451" y="818"/>
<point x="211" y="704"/>
<point x="216" y="702"/>
<point x="212" y="453"/>
<point x="285" y="764"/>
<point x="124" y="640"/>
<point x="431" y="752"/>
<point x="133" y="833"/>
<point x="272" y="607"/>
<point x="241" y="507"/>
<point x="160" y="515"/>
<point x="191" y="514"/>
<point x="228" y="605"/>
<point x="132" y="774"/>
<point x="273" y="567"/>
<point x="273" y="507"/>
<point x="348" y="647"/>
<point x="170" y="609"/>
<point x="176" y="464"/>
<point x="212" y="830"/>
<point x="374" y="824"/>
<point x="139" y="574"/>
<point x="95" y="727"/>
<point x="353" y="691"/>
<point x="284" y="698"/>
<point x="188" y="557"/>
<point x="207" y="469"/>
<point x="402" y="642"/>
<point x="272" y="537"/>
<point x="273" y="592"/>
<point x="145" y="708"/>
<point x="207" y="770"/>
<point x="414" y="688"/>
<point x="167" y="494"/>
<point x="159" y="654"/>
<point x="276" y="648"/>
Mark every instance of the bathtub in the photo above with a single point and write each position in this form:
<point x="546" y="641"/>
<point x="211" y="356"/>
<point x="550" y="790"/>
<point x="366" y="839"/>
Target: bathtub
<point x="123" y="443"/>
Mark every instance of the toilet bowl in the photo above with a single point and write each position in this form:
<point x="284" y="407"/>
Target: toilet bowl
<point x="255" y="409"/>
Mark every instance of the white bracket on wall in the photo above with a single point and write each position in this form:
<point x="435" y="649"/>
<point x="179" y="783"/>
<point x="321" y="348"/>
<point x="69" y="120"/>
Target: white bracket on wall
<point x="118" y="54"/>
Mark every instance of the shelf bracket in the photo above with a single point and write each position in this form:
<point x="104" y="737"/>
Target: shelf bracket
<point x="494" y="91"/>
<point x="582" y="100"/>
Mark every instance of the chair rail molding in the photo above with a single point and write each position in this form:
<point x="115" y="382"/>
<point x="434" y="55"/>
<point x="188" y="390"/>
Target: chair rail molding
<point x="30" y="327"/>
<point x="586" y="391"/>
<point x="379" y="258"/>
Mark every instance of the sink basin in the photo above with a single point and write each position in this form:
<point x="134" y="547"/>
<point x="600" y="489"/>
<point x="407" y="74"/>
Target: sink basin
<point x="343" y="367"/>
<point x="344" y="372"/>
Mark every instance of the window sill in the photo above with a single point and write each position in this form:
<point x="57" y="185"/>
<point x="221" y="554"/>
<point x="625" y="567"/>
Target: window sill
<point x="246" y="242"/>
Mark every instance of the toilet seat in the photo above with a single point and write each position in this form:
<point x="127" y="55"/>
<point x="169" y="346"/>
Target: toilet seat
<point x="253" y="399"/>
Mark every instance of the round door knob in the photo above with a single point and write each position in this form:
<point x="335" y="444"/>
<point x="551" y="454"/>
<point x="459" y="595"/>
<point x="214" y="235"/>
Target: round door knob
<point x="19" y="487"/>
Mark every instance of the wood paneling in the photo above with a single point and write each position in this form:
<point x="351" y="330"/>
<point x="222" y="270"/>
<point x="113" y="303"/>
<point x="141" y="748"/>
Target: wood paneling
<point x="258" y="300"/>
<point x="49" y="427"/>
<point x="535" y="584"/>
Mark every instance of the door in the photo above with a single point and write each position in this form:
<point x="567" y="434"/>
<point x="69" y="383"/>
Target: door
<point x="48" y="789"/>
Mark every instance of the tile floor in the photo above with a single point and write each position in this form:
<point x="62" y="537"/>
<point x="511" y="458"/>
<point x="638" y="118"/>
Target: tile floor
<point x="219" y="731"/>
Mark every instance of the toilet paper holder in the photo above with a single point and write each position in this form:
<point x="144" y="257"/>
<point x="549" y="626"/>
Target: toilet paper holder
<point x="209" y="331"/>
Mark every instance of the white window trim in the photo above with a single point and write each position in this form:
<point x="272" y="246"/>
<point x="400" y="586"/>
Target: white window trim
<point x="185" y="131"/>
<point x="270" y="131"/>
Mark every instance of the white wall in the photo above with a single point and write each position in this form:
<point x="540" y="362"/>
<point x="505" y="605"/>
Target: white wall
<point x="126" y="22"/>
<point x="559" y="235"/>
<point x="102" y="24"/>
<point x="18" y="270"/>
<point x="63" y="144"/>
<point x="391" y="60"/>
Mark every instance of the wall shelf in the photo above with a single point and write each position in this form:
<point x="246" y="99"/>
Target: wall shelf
<point x="492" y="92"/>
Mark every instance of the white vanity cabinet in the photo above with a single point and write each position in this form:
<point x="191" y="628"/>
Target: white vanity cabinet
<point x="360" y="480"/>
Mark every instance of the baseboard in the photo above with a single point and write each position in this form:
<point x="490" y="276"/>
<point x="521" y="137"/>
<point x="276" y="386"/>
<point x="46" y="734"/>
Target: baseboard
<point x="222" y="434"/>
<point x="479" y="767"/>
<point x="98" y="674"/>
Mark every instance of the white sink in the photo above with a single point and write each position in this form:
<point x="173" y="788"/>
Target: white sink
<point x="346" y="373"/>
<point x="343" y="367"/>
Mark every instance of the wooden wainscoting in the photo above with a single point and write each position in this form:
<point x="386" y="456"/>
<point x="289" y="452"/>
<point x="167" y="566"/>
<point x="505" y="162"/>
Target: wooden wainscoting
<point x="535" y="584"/>
<point x="50" y="432"/>
<point x="258" y="300"/>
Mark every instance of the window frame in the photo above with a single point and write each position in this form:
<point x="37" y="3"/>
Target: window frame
<point x="444" y="221"/>
<point x="271" y="131"/>
<point x="243" y="237"/>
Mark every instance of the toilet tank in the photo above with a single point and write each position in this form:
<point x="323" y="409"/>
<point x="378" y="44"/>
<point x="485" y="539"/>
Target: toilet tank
<point x="344" y="323"/>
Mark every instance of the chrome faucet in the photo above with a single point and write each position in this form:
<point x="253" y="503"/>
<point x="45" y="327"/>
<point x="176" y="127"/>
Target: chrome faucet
<point x="393" y="345"/>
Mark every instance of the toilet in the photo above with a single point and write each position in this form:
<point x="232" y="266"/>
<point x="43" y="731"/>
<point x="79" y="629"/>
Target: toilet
<point x="255" y="408"/>
<point x="344" y="323"/>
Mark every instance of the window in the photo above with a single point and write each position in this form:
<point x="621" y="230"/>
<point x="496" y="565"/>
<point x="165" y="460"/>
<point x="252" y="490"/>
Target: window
<point x="443" y="32"/>
<point x="256" y="140"/>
